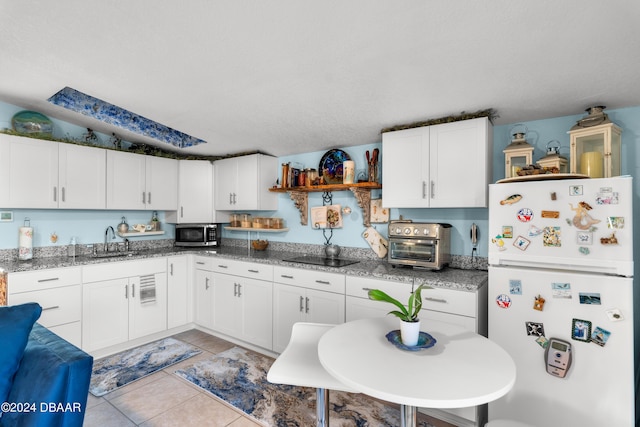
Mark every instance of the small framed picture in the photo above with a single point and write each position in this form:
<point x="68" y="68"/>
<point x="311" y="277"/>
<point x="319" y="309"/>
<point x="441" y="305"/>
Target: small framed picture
<point x="580" y="330"/>
<point x="521" y="243"/>
<point x="600" y="336"/>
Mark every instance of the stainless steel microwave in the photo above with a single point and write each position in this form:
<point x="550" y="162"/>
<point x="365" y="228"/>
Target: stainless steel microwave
<point x="198" y="235"/>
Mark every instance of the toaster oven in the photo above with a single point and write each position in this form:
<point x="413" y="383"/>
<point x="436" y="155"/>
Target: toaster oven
<point x="425" y="245"/>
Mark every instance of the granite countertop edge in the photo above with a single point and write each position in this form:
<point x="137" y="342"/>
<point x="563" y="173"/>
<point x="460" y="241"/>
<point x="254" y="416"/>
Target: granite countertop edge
<point x="451" y="278"/>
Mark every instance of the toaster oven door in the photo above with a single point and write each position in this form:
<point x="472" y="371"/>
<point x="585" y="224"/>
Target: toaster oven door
<point x="413" y="251"/>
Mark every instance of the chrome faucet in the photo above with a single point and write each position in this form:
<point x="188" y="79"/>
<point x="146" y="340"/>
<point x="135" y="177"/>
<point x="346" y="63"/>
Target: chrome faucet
<point x="106" y="236"/>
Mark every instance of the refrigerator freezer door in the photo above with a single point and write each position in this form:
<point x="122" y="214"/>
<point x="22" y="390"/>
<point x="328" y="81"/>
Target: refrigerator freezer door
<point x="598" y="389"/>
<point x="576" y="224"/>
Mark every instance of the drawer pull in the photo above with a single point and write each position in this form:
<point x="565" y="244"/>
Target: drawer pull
<point x="286" y="276"/>
<point x="223" y="266"/>
<point x="366" y="289"/>
<point x="51" y="308"/>
<point x="200" y="262"/>
<point x="435" y="299"/>
<point x="253" y="271"/>
<point x="323" y="282"/>
<point x="52" y="279"/>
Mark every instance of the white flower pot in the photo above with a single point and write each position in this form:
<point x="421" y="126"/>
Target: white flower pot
<point x="409" y="332"/>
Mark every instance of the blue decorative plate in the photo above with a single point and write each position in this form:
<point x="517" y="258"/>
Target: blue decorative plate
<point x="330" y="166"/>
<point x="424" y="341"/>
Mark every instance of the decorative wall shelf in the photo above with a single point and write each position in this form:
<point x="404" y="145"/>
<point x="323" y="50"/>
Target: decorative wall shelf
<point x="361" y="191"/>
<point x="258" y="230"/>
<point x="140" y="233"/>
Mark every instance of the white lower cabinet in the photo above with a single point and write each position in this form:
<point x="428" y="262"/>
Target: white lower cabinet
<point x="119" y="309"/>
<point x="235" y="299"/>
<point x="304" y="296"/>
<point x="178" y="291"/>
<point x="242" y="308"/>
<point x="59" y="294"/>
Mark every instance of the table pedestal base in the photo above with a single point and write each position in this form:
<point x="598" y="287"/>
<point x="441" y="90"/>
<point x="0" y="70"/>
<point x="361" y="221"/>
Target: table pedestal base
<point x="408" y="416"/>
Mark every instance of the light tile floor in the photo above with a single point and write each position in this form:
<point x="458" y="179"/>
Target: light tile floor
<point x="164" y="399"/>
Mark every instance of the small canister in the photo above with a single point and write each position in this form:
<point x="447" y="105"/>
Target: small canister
<point x="302" y="178"/>
<point x="285" y="175"/>
<point x="312" y="175"/>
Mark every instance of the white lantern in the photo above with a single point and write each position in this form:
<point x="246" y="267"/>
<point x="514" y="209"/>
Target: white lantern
<point x="518" y="154"/>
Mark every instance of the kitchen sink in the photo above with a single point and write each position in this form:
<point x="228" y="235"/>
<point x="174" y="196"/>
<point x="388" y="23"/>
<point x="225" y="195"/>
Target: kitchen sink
<point x="113" y="254"/>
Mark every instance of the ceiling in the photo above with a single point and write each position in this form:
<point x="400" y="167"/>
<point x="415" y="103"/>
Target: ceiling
<point x="292" y="76"/>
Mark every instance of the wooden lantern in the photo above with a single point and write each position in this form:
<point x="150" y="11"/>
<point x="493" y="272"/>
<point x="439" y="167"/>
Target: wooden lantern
<point x="517" y="155"/>
<point x="596" y="145"/>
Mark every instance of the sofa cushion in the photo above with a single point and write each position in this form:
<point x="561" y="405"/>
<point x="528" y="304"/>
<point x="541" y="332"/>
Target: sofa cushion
<point x="15" y="326"/>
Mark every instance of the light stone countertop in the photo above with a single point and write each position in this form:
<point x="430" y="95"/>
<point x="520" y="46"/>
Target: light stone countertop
<point x="451" y="278"/>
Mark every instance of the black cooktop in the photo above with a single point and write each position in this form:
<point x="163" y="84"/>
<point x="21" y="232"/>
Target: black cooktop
<point x="319" y="260"/>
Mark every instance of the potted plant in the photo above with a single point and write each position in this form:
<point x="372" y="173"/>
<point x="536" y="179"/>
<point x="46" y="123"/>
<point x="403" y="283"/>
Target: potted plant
<point x="408" y="315"/>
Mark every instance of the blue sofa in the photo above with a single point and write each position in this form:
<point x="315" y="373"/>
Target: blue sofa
<point x="52" y="379"/>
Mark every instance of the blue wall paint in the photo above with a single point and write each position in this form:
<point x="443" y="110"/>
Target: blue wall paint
<point x="88" y="226"/>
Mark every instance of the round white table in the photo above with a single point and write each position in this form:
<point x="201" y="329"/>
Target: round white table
<point x="462" y="369"/>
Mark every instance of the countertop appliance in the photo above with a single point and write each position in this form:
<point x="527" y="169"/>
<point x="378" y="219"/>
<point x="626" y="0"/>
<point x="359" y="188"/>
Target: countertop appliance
<point x="417" y="244"/>
<point x="561" y="299"/>
<point x="198" y="235"/>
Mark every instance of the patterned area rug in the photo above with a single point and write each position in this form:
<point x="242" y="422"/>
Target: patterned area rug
<point x="127" y="366"/>
<point x="239" y="377"/>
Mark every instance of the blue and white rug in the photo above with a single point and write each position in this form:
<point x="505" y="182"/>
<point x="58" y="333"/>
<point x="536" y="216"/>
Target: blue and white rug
<point x="239" y="377"/>
<point x="127" y="366"/>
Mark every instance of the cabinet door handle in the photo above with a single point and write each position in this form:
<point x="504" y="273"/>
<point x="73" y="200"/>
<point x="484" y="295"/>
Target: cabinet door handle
<point x="301" y="303"/>
<point x="133" y="291"/>
<point x="171" y="269"/>
<point x="206" y="283"/>
<point x="235" y="200"/>
<point x="306" y="305"/>
<point x="253" y="271"/>
<point x="63" y="194"/>
<point x="126" y="291"/>
<point x="230" y="198"/>
<point x="433" y="189"/>
<point x="442" y="300"/>
<point x="286" y="276"/>
<point x="149" y="197"/>
<point x="51" y="279"/>
<point x="143" y="198"/>
<point x="323" y="282"/>
<point x="239" y="290"/>
<point x="181" y="212"/>
<point x="51" y="308"/>
<point x="55" y="194"/>
<point x="235" y="289"/>
<point x="424" y="189"/>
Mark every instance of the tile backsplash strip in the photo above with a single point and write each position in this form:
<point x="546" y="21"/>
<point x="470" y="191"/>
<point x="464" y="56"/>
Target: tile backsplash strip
<point x="457" y="261"/>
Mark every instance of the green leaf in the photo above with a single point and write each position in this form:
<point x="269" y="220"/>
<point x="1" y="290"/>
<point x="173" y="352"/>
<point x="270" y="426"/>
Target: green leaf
<point x="378" y="295"/>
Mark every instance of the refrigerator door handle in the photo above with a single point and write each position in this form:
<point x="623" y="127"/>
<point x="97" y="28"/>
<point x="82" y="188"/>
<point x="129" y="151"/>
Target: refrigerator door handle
<point x="548" y="263"/>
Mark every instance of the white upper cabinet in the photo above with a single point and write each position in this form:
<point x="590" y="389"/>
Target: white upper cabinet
<point x="195" y="193"/>
<point x="242" y="183"/>
<point x="441" y="166"/>
<point x="47" y="175"/>
<point x="139" y="182"/>
<point x="82" y="177"/>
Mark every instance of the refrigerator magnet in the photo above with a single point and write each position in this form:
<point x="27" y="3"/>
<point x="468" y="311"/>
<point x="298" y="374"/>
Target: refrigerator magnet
<point x="507" y="232"/>
<point x="538" y="303"/>
<point x="514" y="198"/>
<point x="615" y="222"/>
<point x="575" y="190"/>
<point x="534" y="231"/>
<point x="606" y="196"/>
<point x="515" y="287"/>
<point x="550" y="214"/>
<point x="503" y="301"/>
<point x="551" y="237"/>
<point x="542" y="341"/>
<point x="580" y="330"/>
<point x="535" y="328"/>
<point x="499" y="242"/>
<point x="600" y="336"/>
<point x="521" y="243"/>
<point x="584" y="237"/>
<point x="591" y="298"/>
<point x="525" y="215"/>
<point x="614" y="314"/>
<point x="561" y="290"/>
<point x="611" y="240"/>
<point x="584" y="250"/>
<point x="582" y="220"/>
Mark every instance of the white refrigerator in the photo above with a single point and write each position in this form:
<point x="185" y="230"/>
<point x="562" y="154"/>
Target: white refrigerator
<point x="561" y="299"/>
